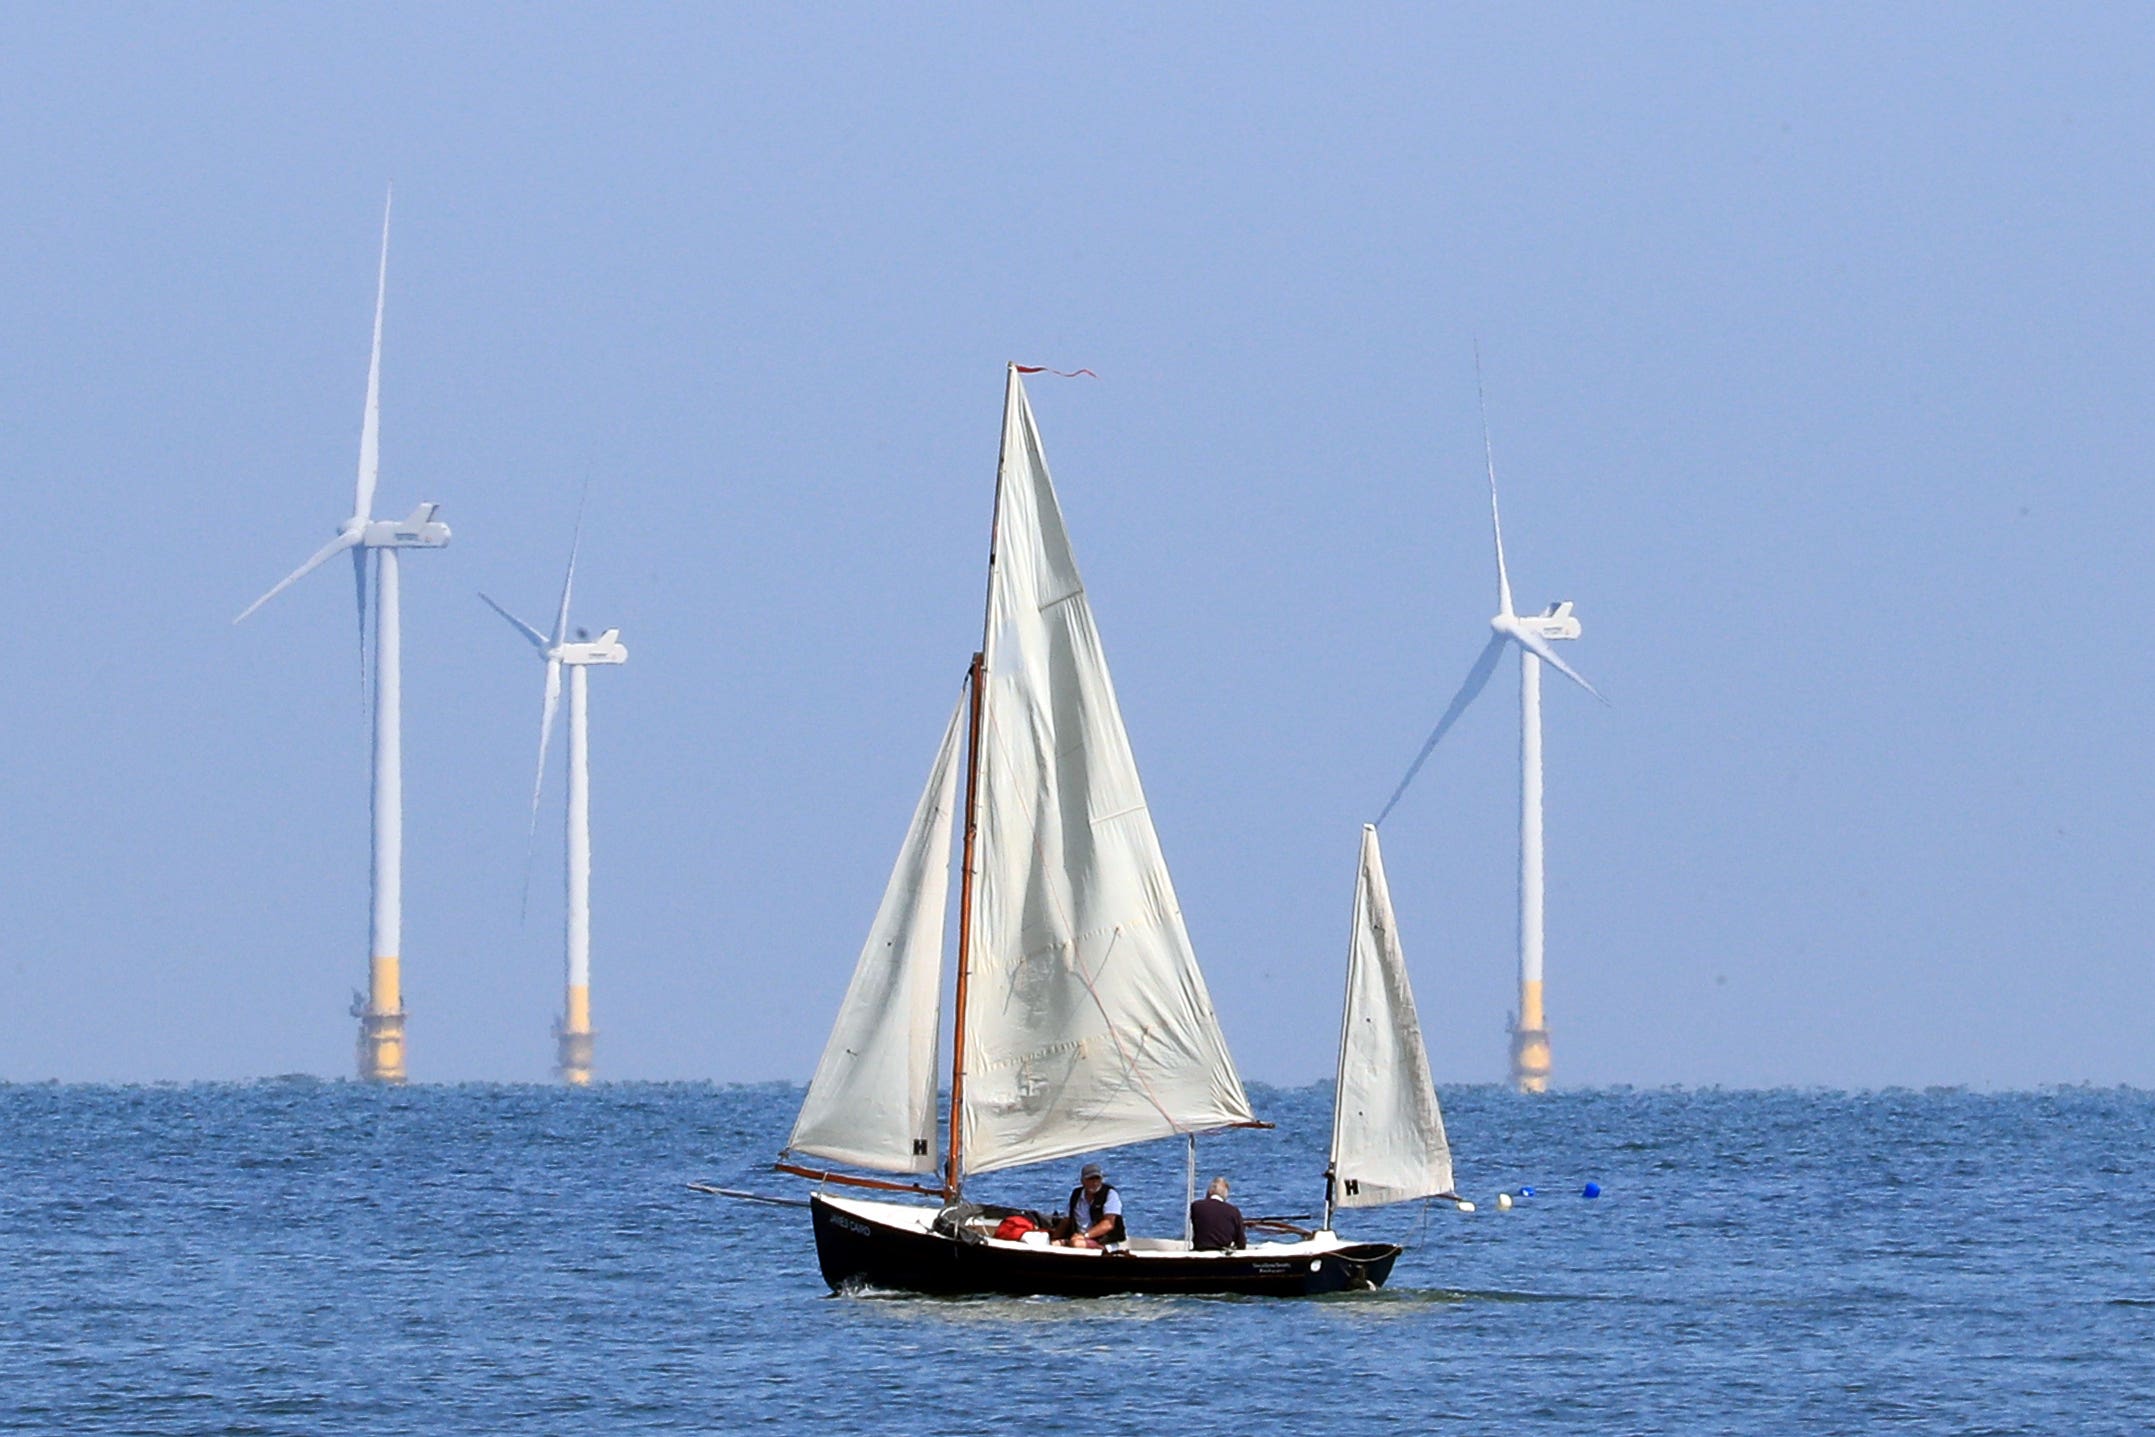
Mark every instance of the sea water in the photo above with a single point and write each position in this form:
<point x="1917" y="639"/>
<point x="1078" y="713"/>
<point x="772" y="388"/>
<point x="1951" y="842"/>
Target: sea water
<point x="311" y="1257"/>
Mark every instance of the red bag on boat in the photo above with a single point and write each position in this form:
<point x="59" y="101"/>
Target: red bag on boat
<point x="1014" y="1228"/>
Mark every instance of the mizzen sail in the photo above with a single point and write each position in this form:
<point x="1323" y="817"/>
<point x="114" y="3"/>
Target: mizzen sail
<point x="1088" y="1022"/>
<point x="872" y="1101"/>
<point x="1387" y="1133"/>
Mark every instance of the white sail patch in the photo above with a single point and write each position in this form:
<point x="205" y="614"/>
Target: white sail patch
<point x="872" y="1101"/>
<point x="1088" y="1022"/>
<point x="1388" y="1140"/>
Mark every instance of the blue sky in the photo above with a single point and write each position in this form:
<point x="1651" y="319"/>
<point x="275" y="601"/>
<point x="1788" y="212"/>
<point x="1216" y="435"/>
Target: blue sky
<point x="1818" y="357"/>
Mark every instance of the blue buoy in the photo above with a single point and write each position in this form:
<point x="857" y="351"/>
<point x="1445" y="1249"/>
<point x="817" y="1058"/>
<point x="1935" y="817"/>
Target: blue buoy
<point x="1526" y="1192"/>
<point x="1591" y="1190"/>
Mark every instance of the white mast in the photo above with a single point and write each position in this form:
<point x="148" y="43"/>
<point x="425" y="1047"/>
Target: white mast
<point x="574" y="1056"/>
<point x="1530" y="1038"/>
<point x="381" y="1010"/>
<point x="381" y="1021"/>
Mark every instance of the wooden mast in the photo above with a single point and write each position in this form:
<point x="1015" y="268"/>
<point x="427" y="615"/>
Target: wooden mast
<point x="965" y="927"/>
<point x="953" y="1178"/>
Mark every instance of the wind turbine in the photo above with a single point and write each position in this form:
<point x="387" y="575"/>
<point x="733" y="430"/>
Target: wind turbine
<point x="1532" y="634"/>
<point x="572" y="1034"/>
<point x="381" y="1010"/>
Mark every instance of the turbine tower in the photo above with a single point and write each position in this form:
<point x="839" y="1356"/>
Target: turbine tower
<point x="1533" y="635"/>
<point x="573" y="1036"/>
<point x="376" y="542"/>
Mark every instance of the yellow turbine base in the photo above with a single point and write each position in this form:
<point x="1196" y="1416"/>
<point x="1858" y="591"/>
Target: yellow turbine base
<point x="1530" y="1043"/>
<point x="381" y="1024"/>
<point x="573" y="1039"/>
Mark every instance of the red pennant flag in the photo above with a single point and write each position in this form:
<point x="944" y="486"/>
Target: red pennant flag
<point x="1063" y="373"/>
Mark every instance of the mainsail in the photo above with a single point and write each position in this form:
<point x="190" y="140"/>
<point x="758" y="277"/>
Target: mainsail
<point x="1087" y="1023"/>
<point x="1387" y="1134"/>
<point x="872" y="1101"/>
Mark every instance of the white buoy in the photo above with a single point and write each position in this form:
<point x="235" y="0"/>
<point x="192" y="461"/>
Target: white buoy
<point x="1466" y="1207"/>
<point x="1503" y="1202"/>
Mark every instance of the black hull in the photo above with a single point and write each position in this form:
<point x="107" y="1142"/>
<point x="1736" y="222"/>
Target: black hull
<point x="854" y="1250"/>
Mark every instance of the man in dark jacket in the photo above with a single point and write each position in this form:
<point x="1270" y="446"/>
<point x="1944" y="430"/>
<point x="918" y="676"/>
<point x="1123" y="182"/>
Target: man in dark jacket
<point x="1216" y="1223"/>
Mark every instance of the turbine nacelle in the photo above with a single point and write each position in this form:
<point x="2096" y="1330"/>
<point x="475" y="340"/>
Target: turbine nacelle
<point x="1554" y="622"/>
<point x="607" y="648"/>
<point x="417" y="530"/>
<point x="1532" y="635"/>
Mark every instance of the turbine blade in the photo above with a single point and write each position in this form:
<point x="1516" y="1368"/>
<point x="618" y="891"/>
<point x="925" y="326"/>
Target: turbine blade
<point x="370" y="430"/>
<point x="320" y="557"/>
<point x="1539" y="647"/>
<point x="538" y="640"/>
<point x="1489" y="456"/>
<point x="568" y="579"/>
<point x="546" y="734"/>
<point x="1477" y="680"/>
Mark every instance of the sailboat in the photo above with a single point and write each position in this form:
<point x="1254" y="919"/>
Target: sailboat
<point x="1082" y="1019"/>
